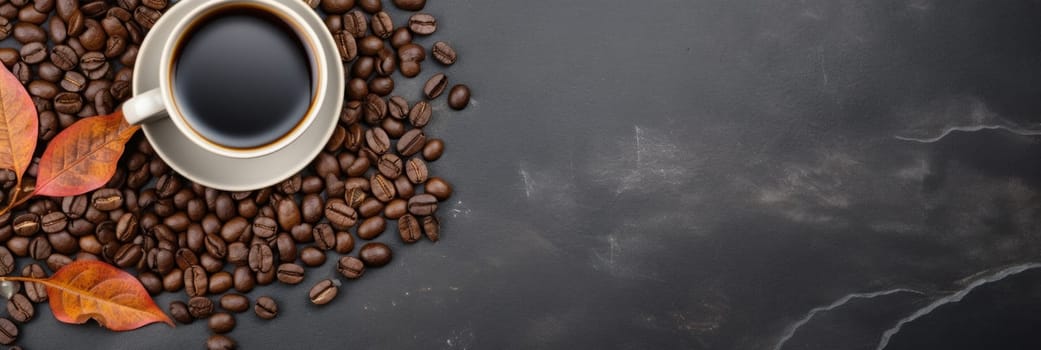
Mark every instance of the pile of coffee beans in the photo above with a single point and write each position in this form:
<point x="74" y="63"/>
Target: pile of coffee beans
<point x="76" y="59"/>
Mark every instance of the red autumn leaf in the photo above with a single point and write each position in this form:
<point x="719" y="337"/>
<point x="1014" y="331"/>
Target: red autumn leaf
<point x="83" y="156"/>
<point x="19" y="125"/>
<point x="88" y="289"/>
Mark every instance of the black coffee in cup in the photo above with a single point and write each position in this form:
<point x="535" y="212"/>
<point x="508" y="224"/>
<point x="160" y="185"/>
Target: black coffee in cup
<point x="242" y="77"/>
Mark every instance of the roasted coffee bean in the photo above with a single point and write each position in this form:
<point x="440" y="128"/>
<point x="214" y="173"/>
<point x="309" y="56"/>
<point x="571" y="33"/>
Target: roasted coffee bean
<point x="40" y="248"/>
<point x="302" y="233"/>
<point x="375" y="110"/>
<point x="19" y="246"/>
<point x="220" y="282"/>
<point x="375" y="254"/>
<point x="411" y="53"/>
<point x="222" y="322"/>
<point x="29" y="14"/>
<point x="339" y="215"/>
<point x="312" y="256"/>
<point x="238" y="253"/>
<point x="435" y="86"/>
<point x="200" y="307"/>
<point x="129" y="56"/>
<point x="42" y="88"/>
<point x="234" y="302"/>
<point x="185" y="258"/>
<point x="216" y="246"/>
<point x="33" y="53"/>
<point x="266" y="278"/>
<point x="73" y="81"/>
<point x="49" y="72"/>
<point x="394" y="128"/>
<point x="404" y="187"/>
<point x="225" y="207"/>
<point x="6" y="25"/>
<point x="26" y="32"/>
<point x="395" y="209"/>
<point x="357" y="89"/>
<point x="264" y="227"/>
<point x="422" y="205"/>
<point x="36" y="292"/>
<point x="56" y="261"/>
<point x="336" y="6"/>
<point x="114" y="27"/>
<point x="94" y="9"/>
<point x="443" y="53"/>
<point x="120" y="14"/>
<point x="397" y="107"/>
<point x="355" y="24"/>
<point x="20" y="308"/>
<point x="363" y="67"/>
<point x="334" y="23"/>
<point x="49" y="127"/>
<point x="120" y="90"/>
<point x="354" y="196"/>
<point x="346" y="46"/>
<point x="286" y="247"/>
<point x="422" y="24"/>
<point x="220" y="342"/>
<point x="382" y="25"/>
<point x="68" y="103"/>
<point x="324" y="291"/>
<point x="410" y="5"/>
<point x="389" y="165"/>
<point x="196" y="282"/>
<point x="243" y="279"/>
<point x="411" y="142"/>
<point x="416" y="170"/>
<point x="382" y="86"/>
<point x="324" y="236"/>
<point x="210" y="263"/>
<point x="382" y="188"/>
<point x="400" y="37"/>
<point x="93" y="36"/>
<point x="432" y="228"/>
<point x="288" y="214"/>
<point x="266" y="307"/>
<point x="152" y="283"/>
<point x="344" y="243"/>
<point x="9" y="56"/>
<point x="325" y="164"/>
<point x="433" y="149"/>
<point x="178" y="221"/>
<point x="9" y="331"/>
<point x="290" y="273"/>
<point x="313" y="184"/>
<point x="44" y="5"/>
<point x="155" y="4"/>
<point x="56" y="30"/>
<point x="371" y="6"/>
<point x="75" y="24"/>
<point x="129" y="255"/>
<point x="6" y="261"/>
<point x="439" y="188"/>
<point x="420" y="114"/>
<point x="370" y="207"/>
<point x="23" y="73"/>
<point x="126" y="227"/>
<point x="114" y="46"/>
<point x="372" y="227"/>
<point x="63" y="242"/>
<point x="261" y="259"/>
<point x="179" y="312"/>
<point x="459" y="97"/>
<point x="377" y="139"/>
<point x="146" y="17"/>
<point x="173" y="280"/>
<point x="350" y="267"/>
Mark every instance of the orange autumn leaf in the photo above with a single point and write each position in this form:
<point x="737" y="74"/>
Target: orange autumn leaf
<point x="83" y="290"/>
<point x="19" y="125"/>
<point x="83" y="157"/>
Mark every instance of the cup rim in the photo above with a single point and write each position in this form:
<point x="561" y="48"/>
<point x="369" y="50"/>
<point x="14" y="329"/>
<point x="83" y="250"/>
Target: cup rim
<point x="307" y="35"/>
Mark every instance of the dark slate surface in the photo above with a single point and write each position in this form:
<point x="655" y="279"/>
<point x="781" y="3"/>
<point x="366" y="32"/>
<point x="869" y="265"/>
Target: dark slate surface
<point x="724" y="174"/>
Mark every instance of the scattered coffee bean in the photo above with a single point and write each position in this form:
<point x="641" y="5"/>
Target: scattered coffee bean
<point x="179" y="312"/>
<point x="9" y="331"/>
<point x="222" y="322"/>
<point x="290" y="273"/>
<point x="409" y="229"/>
<point x="312" y="256"/>
<point x="435" y="86"/>
<point x="433" y="150"/>
<point x="439" y="188"/>
<point x="459" y="97"/>
<point x="422" y="24"/>
<point x="375" y="254"/>
<point x="422" y="205"/>
<point x="323" y="292"/>
<point x="412" y="142"/>
<point x="220" y="342"/>
<point x="354" y="22"/>
<point x="410" y="5"/>
<point x="20" y="308"/>
<point x="266" y="308"/>
<point x="200" y="307"/>
<point x="234" y="302"/>
<point x="443" y="53"/>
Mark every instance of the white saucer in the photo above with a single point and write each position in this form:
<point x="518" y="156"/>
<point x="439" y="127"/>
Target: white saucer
<point x="234" y="174"/>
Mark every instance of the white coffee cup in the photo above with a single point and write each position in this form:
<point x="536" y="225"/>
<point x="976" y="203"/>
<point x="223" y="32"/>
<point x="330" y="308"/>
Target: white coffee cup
<point x="160" y="103"/>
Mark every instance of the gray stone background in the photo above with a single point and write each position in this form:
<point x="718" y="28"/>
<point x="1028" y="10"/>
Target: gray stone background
<point x="706" y="174"/>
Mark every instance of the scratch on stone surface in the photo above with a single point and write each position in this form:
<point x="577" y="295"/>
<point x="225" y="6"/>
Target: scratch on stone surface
<point x="972" y="128"/>
<point x="459" y="209"/>
<point x="638" y="134"/>
<point x="820" y="60"/>
<point x="953" y="298"/>
<point x="529" y="184"/>
<point x="461" y="338"/>
<point x="794" y="327"/>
